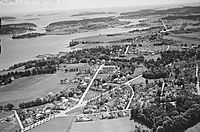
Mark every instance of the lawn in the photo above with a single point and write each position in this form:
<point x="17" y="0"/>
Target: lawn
<point x="61" y="124"/>
<point x="30" y="88"/>
<point x="113" y="125"/>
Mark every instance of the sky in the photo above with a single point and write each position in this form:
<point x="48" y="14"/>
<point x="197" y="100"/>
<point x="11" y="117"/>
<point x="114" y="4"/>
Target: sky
<point x="9" y="6"/>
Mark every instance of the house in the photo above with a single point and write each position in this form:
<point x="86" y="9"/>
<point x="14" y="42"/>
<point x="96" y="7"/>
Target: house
<point x="79" y="67"/>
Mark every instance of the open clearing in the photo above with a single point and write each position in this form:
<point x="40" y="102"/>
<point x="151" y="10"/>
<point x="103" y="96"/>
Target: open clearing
<point x="30" y="88"/>
<point x="112" y="125"/>
<point x="61" y="124"/>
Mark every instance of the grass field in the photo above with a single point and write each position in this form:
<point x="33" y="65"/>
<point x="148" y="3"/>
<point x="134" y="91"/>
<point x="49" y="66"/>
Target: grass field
<point x="61" y="124"/>
<point x="195" y="128"/>
<point x="30" y="88"/>
<point x="112" y="125"/>
<point x="4" y="114"/>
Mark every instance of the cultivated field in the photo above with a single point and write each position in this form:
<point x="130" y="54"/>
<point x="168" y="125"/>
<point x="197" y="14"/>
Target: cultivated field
<point x="107" y="38"/>
<point x="112" y="125"/>
<point x="192" y="38"/>
<point x="30" y="88"/>
<point x="61" y="124"/>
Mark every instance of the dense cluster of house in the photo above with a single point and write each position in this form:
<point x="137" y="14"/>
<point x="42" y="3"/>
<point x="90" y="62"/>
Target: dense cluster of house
<point x="113" y="100"/>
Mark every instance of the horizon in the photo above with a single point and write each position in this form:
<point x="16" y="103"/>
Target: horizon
<point x="34" y="6"/>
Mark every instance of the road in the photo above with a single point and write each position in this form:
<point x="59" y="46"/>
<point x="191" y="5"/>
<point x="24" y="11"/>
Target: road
<point x="129" y="103"/>
<point x="19" y="121"/>
<point x="167" y="48"/>
<point x="90" y="84"/>
<point x="197" y="75"/>
<point x="126" y="50"/>
<point x="163" y="86"/>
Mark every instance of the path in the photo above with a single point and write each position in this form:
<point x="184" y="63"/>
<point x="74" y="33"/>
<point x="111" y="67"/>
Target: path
<point x="90" y="84"/>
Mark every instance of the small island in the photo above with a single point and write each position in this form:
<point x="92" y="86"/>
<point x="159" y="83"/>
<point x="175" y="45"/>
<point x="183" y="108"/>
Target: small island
<point x="28" y="35"/>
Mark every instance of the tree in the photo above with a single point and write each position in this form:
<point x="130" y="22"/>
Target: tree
<point x="10" y="106"/>
<point x="1" y="107"/>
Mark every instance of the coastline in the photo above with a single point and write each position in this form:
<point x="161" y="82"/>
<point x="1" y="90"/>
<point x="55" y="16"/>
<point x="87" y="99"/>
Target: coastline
<point x="51" y="39"/>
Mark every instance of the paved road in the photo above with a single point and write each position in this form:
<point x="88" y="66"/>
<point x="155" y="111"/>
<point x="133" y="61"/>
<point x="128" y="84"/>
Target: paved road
<point x="90" y="84"/>
<point x="19" y="121"/>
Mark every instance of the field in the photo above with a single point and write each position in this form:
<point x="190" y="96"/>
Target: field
<point x="61" y="124"/>
<point x="5" y="114"/>
<point x="191" y="38"/>
<point x="112" y="125"/>
<point x="195" y="128"/>
<point x="30" y="88"/>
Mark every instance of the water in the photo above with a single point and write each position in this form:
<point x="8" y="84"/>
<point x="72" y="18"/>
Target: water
<point x="15" y="51"/>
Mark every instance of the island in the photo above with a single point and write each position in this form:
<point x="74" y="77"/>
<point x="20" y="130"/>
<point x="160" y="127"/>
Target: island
<point x="17" y="28"/>
<point x="28" y="35"/>
<point x="7" y="18"/>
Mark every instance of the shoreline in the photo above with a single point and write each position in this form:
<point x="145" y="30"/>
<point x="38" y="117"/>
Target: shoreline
<point x="71" y="37"/>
